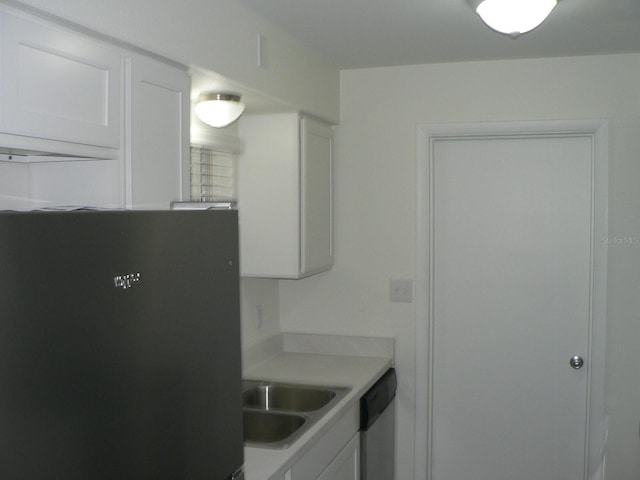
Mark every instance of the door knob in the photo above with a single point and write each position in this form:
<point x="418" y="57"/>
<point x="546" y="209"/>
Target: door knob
<point x="576" y="362"/>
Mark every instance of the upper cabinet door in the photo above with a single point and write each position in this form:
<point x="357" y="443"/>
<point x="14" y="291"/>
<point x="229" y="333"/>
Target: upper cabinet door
<point x="58" y="84"/>
<point x="157" y="145"/>
<point x="316" y="253"/>
<point x="285" y="196"/>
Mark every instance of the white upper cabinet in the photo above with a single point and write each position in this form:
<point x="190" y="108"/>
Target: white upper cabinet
<point x="285" y="196"/>
<point x="58" y="84"/>
<point x="157" y="139"/>
<point x="316" y="198"/>
<point x="85" y="122"/>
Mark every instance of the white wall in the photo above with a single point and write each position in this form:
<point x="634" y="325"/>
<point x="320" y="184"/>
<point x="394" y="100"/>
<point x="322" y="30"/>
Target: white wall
<point x="259" y="298"/>
<point x="216" y="35"/>
<point x="376" y="220"/>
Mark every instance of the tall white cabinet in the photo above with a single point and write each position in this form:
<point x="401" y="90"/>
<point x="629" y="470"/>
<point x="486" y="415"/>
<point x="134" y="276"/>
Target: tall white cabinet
<point x="285" y="196"/>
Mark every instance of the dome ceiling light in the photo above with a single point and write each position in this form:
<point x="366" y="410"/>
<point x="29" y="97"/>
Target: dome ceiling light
<point x="218" y="109"/>
<point x="513" y="17"/>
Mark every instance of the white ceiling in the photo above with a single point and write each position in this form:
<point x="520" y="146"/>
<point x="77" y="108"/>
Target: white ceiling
<point x="374" y="33"/>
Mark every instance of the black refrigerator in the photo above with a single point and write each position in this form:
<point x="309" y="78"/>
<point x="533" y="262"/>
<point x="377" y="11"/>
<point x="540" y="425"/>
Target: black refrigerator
<point x="120" y="346"/>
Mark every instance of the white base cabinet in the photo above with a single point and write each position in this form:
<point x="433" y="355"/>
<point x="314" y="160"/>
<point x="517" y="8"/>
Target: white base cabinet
<point x="285" y="196"/>
<point x="335" y="456"/>
<point x="346" y="466"/>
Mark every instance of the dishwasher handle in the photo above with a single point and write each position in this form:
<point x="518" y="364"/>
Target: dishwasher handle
<point x="377" y="398"/>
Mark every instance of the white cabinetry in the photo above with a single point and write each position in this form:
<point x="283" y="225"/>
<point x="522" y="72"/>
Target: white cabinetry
<point x="285" y="196"/>
<point x="64" y="137"/>
<point x="58" y="84"/>
<point x="346" y="466"/>
<point x="335" y="456"/>
<point x="157" y="140"/>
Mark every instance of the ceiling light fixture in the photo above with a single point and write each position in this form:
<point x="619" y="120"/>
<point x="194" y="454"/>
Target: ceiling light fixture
<point x="219" y="109"/>
<point x="513" y="17"/>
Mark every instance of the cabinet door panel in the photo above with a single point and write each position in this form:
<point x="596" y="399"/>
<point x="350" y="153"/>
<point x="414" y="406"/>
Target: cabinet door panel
<point x="346" y="465"/>
<point x="58" y="84"/>
<point x="317" y="208"/>
<point x="158" y="146"/>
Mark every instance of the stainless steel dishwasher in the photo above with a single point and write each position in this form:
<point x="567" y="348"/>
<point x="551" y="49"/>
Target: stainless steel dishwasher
<point x="377" y="429"/>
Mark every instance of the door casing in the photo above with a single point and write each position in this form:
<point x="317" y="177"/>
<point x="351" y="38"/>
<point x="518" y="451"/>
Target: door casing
<point x="598" y="131"/>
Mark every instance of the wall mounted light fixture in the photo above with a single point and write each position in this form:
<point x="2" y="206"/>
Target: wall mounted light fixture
<point x="513" y="17"/>
<point x="219" y="109"/>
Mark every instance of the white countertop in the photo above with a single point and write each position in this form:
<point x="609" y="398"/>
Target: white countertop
<point x="356" y="372"/>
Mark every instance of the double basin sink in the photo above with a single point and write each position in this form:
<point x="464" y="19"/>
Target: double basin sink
<point x="276" y="414"/>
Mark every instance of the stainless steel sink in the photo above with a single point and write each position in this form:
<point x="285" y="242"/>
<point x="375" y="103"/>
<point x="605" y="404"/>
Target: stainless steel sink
<point x="271" y="428"/>
<point x="276" y="414"/>
<point x="287" y="397"/>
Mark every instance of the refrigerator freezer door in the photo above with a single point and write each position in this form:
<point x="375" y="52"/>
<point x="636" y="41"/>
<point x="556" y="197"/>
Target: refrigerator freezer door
<point x="119" y="346"/>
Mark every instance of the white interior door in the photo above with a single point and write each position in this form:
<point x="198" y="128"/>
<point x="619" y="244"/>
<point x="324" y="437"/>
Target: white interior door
<point x="512" y="235"/>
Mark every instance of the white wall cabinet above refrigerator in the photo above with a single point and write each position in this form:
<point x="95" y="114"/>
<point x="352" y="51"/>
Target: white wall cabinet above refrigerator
<point x="58" y="84"/>
<point x="88" y="122"/>
<point x="285" y="196"/>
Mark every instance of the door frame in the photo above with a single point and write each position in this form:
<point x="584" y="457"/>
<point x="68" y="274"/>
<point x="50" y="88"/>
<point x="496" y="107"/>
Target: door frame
<point x="426" y="136"/>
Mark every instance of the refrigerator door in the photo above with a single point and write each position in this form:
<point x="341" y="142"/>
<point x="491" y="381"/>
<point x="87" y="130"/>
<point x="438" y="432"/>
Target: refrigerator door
<point x="119" y="346"/>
